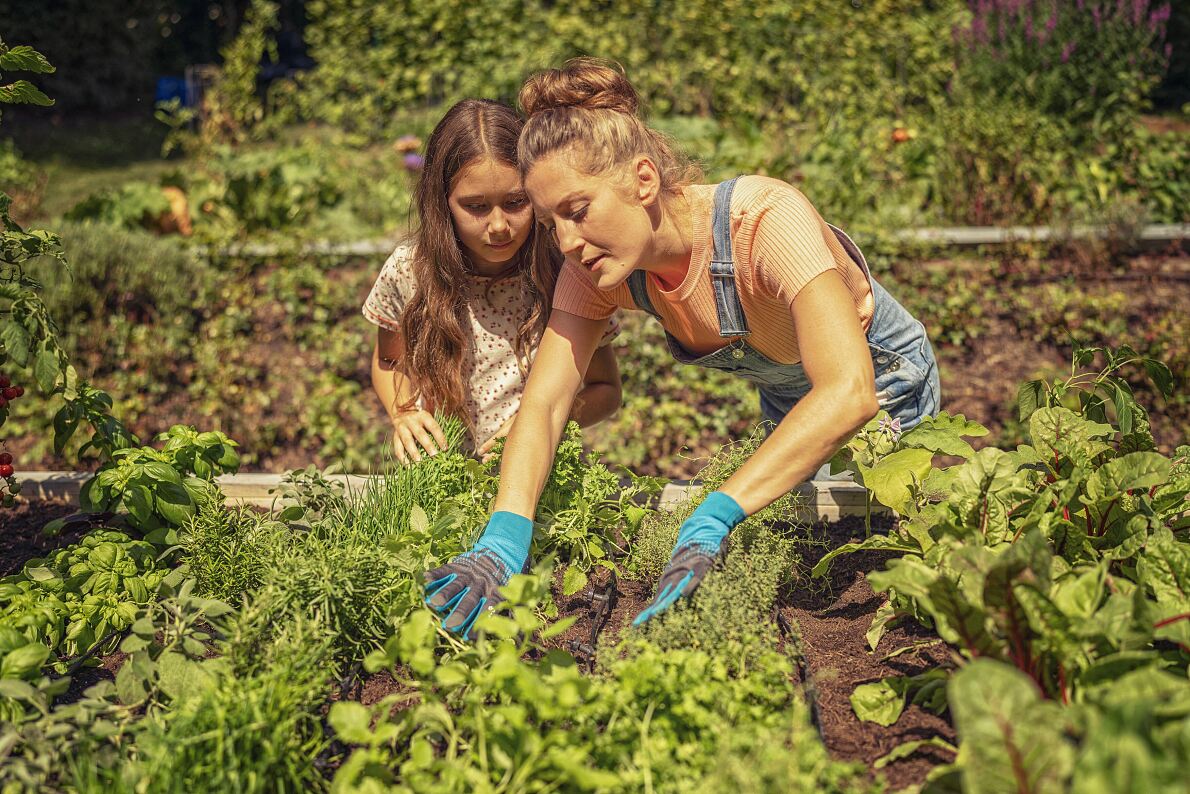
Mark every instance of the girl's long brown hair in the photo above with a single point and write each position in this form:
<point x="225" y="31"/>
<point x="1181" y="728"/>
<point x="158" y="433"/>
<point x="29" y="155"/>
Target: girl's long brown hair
<point x="434" y="326"/>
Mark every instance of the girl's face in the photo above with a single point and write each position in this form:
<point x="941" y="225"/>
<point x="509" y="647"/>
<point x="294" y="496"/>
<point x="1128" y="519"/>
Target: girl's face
<point x="492" y="214"/>
<point x="603" y="225"/>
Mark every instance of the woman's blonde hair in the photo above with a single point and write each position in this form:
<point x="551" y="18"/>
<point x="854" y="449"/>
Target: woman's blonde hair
<point x="589" y="108"/>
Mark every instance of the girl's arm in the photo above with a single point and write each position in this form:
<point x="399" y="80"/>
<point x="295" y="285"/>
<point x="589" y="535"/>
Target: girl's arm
<point x="394" y="387"/>
<point x="555" y="378"/>
<point x="841" y="400"/>
<point x="600" y="395"/>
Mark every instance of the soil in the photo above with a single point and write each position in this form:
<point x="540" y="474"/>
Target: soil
<point x="980" y="376"/>
<point x="21" y="539"/>
<point x="86" y="677"/>
<point x="831" y="623"/>
<point x="597" y="620"/>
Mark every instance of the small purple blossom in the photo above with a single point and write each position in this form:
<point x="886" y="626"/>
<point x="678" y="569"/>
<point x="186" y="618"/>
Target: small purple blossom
<point x="414" y="162"/>
<point x="1068" y="50"/>
<point x="979" y="30"/>
<point x="890" y="427"/>
<point x="1050" y="24"/>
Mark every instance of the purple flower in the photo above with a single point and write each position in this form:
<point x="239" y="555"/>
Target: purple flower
<point x="1068" y="50"/>
<point x="414" y="162"/>
<point x="1158" y="18"/>
<point x="890" y="427"/>
<point x="979" y="31"/>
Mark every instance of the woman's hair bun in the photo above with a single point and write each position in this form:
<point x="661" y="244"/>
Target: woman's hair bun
<point x="590" y="83"/>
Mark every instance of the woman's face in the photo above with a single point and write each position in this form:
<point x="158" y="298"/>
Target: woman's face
<point x="491" y="212"/>
<point x="599" y="223"/>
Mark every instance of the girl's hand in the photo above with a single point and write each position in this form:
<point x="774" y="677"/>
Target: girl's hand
<point x="414" y="431"/>
<point x="485" y="450"/>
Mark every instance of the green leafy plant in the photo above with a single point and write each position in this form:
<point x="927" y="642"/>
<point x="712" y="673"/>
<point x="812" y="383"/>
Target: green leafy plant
<point x="1060" y="559"/>
<point x="228" y="550"/>
<point x="133" y="205"/>
<point x="584" y="511"/>
<point x="162" y="489"/>
<point x="166" y="644"/>
<point x="23" y="58"/>
<point x="505" y="709"/>
<point x="893" y="464"/>
<point x="28" y="334"/>
<point x="64" y="609"/>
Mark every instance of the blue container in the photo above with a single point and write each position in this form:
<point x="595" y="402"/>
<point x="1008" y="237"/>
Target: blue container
<point x="173" y="88"/>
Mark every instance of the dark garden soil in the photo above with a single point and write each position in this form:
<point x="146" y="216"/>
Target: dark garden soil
<point x="21" y="539"/>
<point x="86" y="677"/>
<point x="979" y="377"/>
<point x="831" y="623"/>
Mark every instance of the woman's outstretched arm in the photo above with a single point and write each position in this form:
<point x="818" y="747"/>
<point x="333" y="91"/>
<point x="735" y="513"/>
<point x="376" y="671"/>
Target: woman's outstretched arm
<point x="555" y="378"/>
<point x="841" y="400"/>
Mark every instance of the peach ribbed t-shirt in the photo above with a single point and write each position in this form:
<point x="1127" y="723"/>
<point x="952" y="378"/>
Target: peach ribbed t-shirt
<point x="780" y="243"/>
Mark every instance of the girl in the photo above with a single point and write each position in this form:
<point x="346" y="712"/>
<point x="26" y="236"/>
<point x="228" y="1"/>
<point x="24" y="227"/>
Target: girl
<point x="744" y="276"/>
<point x="460" y="310"/>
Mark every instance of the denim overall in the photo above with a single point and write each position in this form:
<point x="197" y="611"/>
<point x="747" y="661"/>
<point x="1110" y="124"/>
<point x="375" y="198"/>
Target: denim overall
<point x="907" y="383"/>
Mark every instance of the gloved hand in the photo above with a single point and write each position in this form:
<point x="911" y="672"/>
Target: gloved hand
<point x="699" y="543"/>
<point x="461" y="589"/>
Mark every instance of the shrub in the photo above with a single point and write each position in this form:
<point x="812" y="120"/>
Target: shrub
<point x="998" y="161"/>
<point x="131" y="205"/>
<point x="125" y="273"/>
<point x="781" y="62"/>
<point x="1092" y="62"/>
<point x="229" y="550"/>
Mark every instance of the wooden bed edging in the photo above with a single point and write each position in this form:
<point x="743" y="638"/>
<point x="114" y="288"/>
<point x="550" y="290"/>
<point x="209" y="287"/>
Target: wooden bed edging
<point x="826" y="500"/>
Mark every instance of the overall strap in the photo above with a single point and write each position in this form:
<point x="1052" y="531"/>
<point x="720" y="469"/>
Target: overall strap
<point x="640" y="293"/>
<point x="727" y="298"/>
<point x="732" y="322"/>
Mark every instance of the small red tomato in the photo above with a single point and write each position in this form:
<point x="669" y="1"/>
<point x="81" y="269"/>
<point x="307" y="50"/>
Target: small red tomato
<point x="20" y="391"/>
<point x="5" y="459"/>
<point x="3" y="402"/>
<point x="6" y="470"/>
<point x="900" y="135"/>
<point x="4" y="382"/>
<point x="10" y="393"/>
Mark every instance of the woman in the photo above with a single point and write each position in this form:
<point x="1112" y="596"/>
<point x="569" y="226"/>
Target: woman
<point x="744" y="276"/>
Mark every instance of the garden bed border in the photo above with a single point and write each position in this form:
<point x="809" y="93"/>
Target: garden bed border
<point x="825" y="500"/>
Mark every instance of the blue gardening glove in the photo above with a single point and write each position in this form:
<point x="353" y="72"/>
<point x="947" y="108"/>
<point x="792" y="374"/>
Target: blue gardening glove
<point x="699" y="543"/>
<point x="461" y="589"/>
